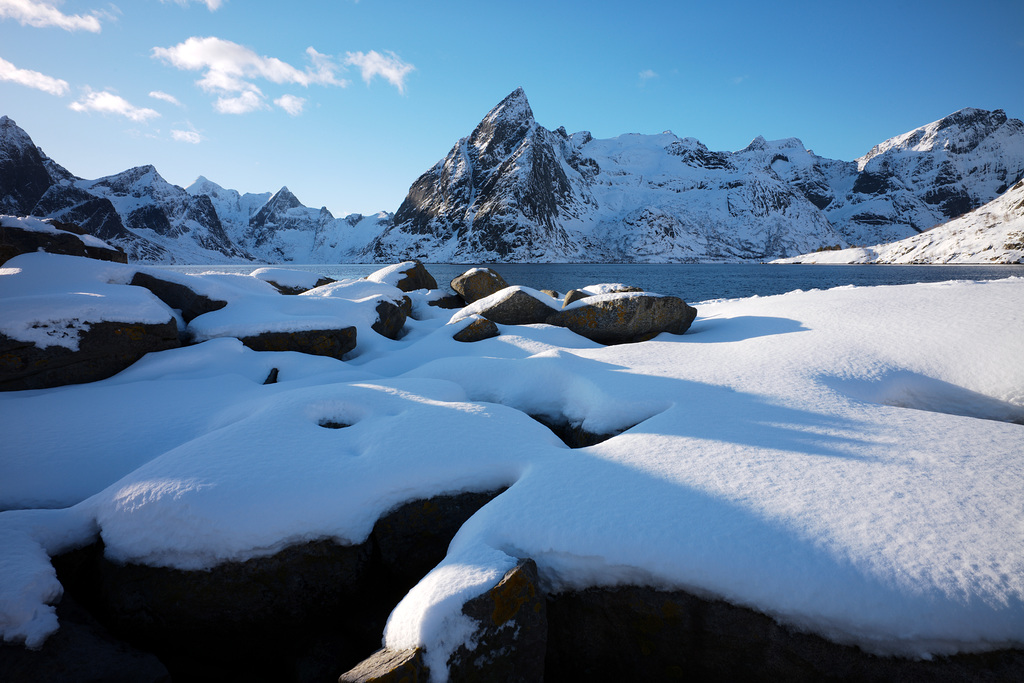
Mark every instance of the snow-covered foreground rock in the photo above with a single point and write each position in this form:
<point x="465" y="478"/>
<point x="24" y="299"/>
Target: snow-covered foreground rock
<point x="849" y="462"/>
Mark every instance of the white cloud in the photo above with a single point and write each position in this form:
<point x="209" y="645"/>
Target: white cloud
<point x="189" y="136"/>
<point x="647" y="74"/>
<point x="42" y="14"/>
<point x="109" y="103"/>
<point x="251" y="100"/>
<point x="229" y="70"/>
<point x="739" y="79"/>
<point x="159" y="95"/>
<point x="389" y="67"/>
<point x="211" y="5"/>
<point x="32" y="79"/>
<point x="291" y="104"/>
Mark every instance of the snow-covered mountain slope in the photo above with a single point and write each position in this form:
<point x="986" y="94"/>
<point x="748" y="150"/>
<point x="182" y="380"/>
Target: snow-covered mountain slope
<point x="993" y="233"/>
<point x="515" y="191"/>
<point x="923" y="178"/>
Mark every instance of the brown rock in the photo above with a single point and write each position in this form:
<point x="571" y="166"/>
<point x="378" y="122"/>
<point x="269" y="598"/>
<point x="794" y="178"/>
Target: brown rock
<point x="333" y="343"/>
<point x="412" y="275"/>
<point x="516" y="306"/>
<point x="626" y="317"/>
<point x="15" y="240"/>
<point x="389" y="666"/>
<point x="175" y="295"/>
<point x="478" y="283"/>
<point x="478" y="330"/>
<point x="104" y="349"/>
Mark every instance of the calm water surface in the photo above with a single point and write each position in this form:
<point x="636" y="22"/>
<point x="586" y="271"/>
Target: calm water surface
<point x="692" y="282"/>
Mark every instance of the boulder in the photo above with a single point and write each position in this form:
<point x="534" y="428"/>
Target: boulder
<point x="635" y="633"/>
<point x="625" y="317"/>
<point x="574" y="295"/>
<point x="334" y="343"/>
<point x="448" y="301"/>
<point x="478" y="330"/>
<point x="179" y="296"/>
<point x="516" y="306"/>
<point x="81" y="650"/>
<point x="391" y="317"/>
<point x="293" y="291"/>
<point x="510" y="640"/>
<point x="53" y="237"/>
<point x="389" y="666"/>
<point x="104" y="349"/>
<point x="408" y="276"/>
<point x="478" y="283"/>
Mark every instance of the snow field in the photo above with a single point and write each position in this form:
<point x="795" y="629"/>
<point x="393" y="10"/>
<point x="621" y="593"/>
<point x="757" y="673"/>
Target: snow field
<point x="771" y="456"/>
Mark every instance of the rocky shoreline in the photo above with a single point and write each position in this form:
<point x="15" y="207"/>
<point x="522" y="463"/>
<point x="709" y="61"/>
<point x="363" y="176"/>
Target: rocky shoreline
<point x="315" y="611"/>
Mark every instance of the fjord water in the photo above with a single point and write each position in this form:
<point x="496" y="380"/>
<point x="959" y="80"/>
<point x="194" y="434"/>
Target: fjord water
<point x="692" y="282"/>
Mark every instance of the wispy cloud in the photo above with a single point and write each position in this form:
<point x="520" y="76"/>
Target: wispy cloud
<point x="41" y="14"/>
<point x="189" y="136"/>
<point x="388" y="66"/>
<point x="212" y="5"/>
<point x="160" y="95"/>
<point x="739" y="79"/>
<point x="291" y="104"/>
<point x="108" y="103"/>
<point x="32" y="79"/>
<point x="647" y="74"/>
<point x="229" y="71"/>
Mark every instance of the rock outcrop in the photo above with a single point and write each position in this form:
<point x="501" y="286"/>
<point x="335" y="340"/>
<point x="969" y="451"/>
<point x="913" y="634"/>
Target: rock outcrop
<point x="625" y="317"/>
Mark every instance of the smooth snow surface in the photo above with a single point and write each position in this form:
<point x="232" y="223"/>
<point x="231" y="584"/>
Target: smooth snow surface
<point x="846" y="461"/>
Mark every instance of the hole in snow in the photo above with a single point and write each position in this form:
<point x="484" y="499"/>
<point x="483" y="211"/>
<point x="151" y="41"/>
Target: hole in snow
<point x="904" y="389"/>
<point x="574" y="435"/>
<point x="331" y="424"/>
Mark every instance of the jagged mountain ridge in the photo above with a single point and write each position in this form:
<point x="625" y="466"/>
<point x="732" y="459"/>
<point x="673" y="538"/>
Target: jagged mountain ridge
<point x="155" y="221"/>
<point x="515" y="191"/>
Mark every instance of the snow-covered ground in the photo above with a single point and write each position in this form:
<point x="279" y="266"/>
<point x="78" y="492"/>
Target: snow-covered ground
<point x="850" y="461"/>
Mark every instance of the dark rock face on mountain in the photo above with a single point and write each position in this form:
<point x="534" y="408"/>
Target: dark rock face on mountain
<point x="515" y="191"/>
<point x="23" y="174"/>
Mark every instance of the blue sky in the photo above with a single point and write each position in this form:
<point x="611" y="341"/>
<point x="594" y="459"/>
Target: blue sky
<point x="347" y="102"/>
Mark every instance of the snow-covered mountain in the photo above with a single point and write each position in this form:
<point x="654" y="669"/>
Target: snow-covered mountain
<point x="515" y="191"/>
<point x="993" y="233"/>
<point x="155" y="221"/>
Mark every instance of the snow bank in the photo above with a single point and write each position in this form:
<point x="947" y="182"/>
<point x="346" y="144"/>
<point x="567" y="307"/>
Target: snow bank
<point x="770" y="457"/>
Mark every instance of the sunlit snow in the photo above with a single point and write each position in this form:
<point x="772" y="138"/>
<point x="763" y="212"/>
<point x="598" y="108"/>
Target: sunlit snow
<point x="850" y="461"/>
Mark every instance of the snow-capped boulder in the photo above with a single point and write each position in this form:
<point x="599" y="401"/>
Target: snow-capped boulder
<point x="408" y="276"/>
<point x="178" y="296"/>
<point x="478" y="283"/>
<point x="391" y="317"/>
<point x="26" y="235"/>
<point x="477" y="330"/>
<point x="625" y="317"/>
<point x="512" y="306"/>
<point x="330" y="342"/>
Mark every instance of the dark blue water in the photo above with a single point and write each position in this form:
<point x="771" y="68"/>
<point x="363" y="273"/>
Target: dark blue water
<point x="692" y="282"/>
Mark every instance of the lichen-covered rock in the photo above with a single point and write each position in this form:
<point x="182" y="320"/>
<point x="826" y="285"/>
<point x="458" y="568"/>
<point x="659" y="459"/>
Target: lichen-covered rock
<point x="104" y="349"/>
<point x="389" y="666"/>
<point x="408" y="276"/>
<point x="478" y="330"/>
<point x="191" y="303"/>
<point x="334" y="343"/>
<point x="515" y="306"/>
<point x="478" y="283"/>
<point x="625" y="317"/>
<point x="574" y="295"/>
<point x="510" y="641"/>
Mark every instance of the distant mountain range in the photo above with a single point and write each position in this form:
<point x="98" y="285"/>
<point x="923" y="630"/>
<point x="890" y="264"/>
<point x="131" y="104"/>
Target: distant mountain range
<point x="514" y="191"/>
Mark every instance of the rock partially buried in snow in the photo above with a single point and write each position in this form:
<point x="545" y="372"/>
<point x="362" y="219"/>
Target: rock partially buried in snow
<point x="510" y="640"/>
<point x="478" y="330"/>
<point x="103" y="350"/>
<point x="333" y="343"/>
<point x="391" y="318"/>
<point x="408" y="276"/>
<point x="625" y="317"/>
<point x="574" y="295"/>
<point x="27" y="235"/>
<point x="513" y="306"/>
<point x="478" y="283"/>
<point x="389" y="666"/>
<point x="176" y="295"/>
